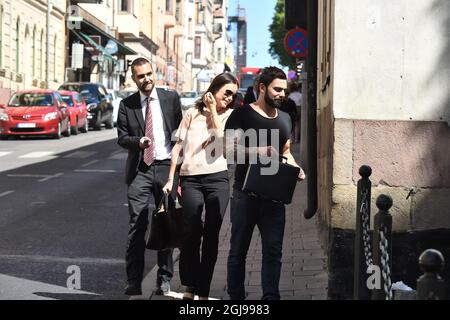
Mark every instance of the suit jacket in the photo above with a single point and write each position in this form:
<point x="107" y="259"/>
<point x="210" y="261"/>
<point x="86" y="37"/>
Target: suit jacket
<point x="131" y="125"/>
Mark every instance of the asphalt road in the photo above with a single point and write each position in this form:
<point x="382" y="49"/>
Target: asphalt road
<point x="63" y="204"/>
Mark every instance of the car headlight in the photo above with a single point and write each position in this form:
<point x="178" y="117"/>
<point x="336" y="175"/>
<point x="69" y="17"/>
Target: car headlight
<point x="91" y="106"/>
<point x="50" y="116"/>
<point x="4" y="117"/>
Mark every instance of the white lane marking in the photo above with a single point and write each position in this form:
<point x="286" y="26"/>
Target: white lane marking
<point x="118" y="156"/>
<point x="44" y="177"/>
<point x="27" y="175"/>
<point x="116" y="152"/>
<point x="81" y="154"/>
<point x="4" y="153"/>
<point x="89" y="163"/>
<point x="51" y="177"/>
<point x="14" y="288"/>
<point x="95" y="171"/>
<point x="55" y="259"/>
<point x="35" y="155"/>
<point x="6" y="193"/>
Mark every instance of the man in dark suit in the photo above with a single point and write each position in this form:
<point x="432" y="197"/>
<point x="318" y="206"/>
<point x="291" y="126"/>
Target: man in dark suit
<point x="251" y="95"/>
<point x="145" y="124"/>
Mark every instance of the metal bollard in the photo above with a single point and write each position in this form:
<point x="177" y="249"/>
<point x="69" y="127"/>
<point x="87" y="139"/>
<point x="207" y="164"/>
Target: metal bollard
<point x="363" y="254"/>
<point x="430" y="285"/>
<point x="382" y="251"/>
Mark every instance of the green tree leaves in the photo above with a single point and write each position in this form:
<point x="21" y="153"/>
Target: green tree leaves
<point x="278" y="32"/>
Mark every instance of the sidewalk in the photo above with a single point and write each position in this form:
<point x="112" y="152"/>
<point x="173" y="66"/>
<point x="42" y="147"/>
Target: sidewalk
<point x="303" y="274"/>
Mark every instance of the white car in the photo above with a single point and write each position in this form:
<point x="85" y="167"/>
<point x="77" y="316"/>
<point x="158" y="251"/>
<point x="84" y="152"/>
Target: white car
<point x="115" y="102"/>
<point x="188" y="99"/>
<point x="116" y="97"/>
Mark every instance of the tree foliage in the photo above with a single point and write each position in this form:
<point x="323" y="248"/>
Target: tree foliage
<point x="278" y="32"/>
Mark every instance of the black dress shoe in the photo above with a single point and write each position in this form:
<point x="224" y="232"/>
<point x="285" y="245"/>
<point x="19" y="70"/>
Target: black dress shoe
<point x="133" y="289"/>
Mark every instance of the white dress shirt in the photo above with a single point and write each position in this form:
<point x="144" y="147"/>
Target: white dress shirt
<point x="163" y="147"/>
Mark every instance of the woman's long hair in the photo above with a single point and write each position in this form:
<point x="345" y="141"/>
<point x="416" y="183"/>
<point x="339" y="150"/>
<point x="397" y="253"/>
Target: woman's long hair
<point x="218" y="82"/>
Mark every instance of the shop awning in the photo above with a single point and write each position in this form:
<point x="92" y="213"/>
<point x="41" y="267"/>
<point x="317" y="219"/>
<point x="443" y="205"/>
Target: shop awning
<point x="89" y="29"/>
<point x="98" y="47"/>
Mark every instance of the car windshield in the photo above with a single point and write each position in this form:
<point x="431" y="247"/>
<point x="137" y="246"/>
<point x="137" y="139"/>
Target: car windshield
<point x="31" y="99"/>
<point x="247" y="80"/>
<point x="90" y="90"/>
<point x="87" y="95"/>
<point x="68" y="100"/>
<point x="188" y="95"/>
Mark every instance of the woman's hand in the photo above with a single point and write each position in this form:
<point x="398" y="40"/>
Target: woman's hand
<point x="168" y="187"/>
<point x="301" y="175"/>
<point x="210" y="102"/>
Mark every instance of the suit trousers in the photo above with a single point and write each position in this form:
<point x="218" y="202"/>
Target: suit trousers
<point x="210" y="191"/>
<point x="144" y="194"/>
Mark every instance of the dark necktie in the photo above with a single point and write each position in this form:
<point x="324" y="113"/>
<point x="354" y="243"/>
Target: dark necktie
<point x="149" y="152"/>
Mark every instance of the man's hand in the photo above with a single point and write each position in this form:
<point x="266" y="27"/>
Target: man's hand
<point x="301" y="175"/>
<point x="144" y="143"/>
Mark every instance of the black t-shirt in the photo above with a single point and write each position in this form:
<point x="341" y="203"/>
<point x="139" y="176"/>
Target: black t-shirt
<point x="251" y="122"/>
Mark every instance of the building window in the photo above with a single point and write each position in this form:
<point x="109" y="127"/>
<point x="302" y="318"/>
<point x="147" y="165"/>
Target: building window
<point x="190" y="27"/>
<point x="1" y="36"/>
<point x="198" y="46"/>
<point x="18" y="45"/>
<point x="178" y="11"/>
<point x="124" y="5"/>
<point x="33" y="63"/>
<point x="55" y="67"/>
<point x="219" y="54"/>
<point x="41" y="62"/>
<point x="169" y="6"/>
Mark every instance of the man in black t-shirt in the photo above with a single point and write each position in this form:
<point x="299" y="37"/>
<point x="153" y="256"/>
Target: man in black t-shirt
<point x="257" y="130"/>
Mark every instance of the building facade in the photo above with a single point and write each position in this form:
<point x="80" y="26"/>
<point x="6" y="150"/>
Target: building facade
<point x="32" y="51"/>
<point x="384" y="101"/>
<point x="100" y="28"/>
<point x="95" y="41"/>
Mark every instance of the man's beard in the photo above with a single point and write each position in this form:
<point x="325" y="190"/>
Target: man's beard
<point x="274" y="103"/>
<point x="143" y="88"/>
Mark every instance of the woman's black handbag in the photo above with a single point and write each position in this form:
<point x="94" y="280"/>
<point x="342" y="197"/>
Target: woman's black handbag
<point x="166" y="231"/>
<point x="277" y="187"/>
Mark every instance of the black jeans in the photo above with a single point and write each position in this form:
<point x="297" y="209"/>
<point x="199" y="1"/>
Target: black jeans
<point x="211" y="191"/>
<point x="144" y="193"/>
<point x="245" y="213"/>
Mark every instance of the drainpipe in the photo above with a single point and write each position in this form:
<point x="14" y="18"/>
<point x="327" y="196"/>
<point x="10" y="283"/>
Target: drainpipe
<point x="311" y="209"/>
<point x="49" y="15"/>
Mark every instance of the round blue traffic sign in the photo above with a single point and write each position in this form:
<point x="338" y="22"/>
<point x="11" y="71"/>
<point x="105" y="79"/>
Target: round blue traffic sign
<point x="296" y="42"/>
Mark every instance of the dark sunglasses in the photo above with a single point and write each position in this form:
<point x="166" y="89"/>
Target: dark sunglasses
<point x="229" y="93"/>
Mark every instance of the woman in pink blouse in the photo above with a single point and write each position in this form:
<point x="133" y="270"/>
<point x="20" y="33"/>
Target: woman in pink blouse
<point x="204" y="182"/>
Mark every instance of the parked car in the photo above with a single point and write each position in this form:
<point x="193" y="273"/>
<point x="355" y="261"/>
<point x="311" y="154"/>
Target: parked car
<point x="113" y="94"/>
<point x="77" y="111"/>
<point x="35" y="112"/>
<point x="99" y="104"/>
<point x="188" y="99"/>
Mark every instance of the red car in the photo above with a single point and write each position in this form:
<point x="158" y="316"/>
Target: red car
<point x="77" y="110"/>
<point x="35" y="112"/>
